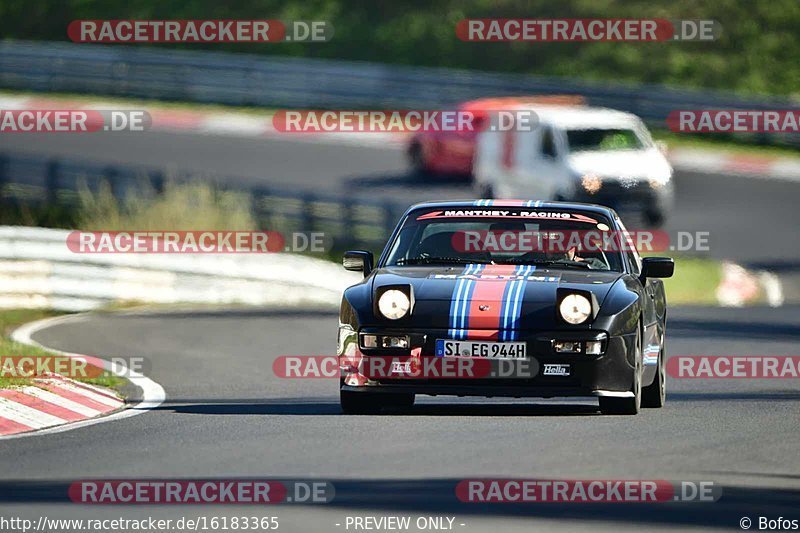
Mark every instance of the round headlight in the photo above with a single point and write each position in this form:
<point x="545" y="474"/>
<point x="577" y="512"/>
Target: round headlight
<point x="575" y="308"/>
<point x="394" y="304"/>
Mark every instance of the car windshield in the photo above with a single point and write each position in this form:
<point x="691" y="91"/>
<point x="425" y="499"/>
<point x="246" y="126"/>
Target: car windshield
<point x="520" y="237"/>
<point x="603" y="139"/>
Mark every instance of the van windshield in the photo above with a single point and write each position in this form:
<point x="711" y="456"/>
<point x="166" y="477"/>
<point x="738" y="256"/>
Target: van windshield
<point x="603" y="139"/>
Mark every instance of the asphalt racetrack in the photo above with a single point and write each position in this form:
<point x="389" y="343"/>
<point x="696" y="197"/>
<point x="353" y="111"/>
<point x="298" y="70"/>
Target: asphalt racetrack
<point x="228" y="416"/>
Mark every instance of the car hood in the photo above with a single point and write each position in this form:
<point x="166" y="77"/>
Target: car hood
<point x="622" y="164"/>
<point x="490" y="294"/>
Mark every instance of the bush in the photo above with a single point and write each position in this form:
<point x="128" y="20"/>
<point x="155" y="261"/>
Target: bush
<point x="181" y="207"/>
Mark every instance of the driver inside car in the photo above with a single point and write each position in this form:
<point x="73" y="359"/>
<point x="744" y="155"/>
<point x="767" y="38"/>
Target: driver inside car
<point x="540" y="252"/>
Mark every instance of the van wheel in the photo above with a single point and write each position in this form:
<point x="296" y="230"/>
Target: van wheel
<point x="655" y="218"/>
<point x="487" y="192"/>
<point x="417" y="160"/>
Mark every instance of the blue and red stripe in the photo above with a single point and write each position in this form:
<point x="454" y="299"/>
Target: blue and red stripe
<point x="487" y="302"/>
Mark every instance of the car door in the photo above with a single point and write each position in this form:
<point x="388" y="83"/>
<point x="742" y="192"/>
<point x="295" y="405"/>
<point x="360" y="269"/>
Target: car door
<point x="519" y="159"/>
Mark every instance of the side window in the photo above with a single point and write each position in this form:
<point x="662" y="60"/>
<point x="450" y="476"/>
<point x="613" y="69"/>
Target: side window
<point x="548" y="143"/>
<point x="630" y="253"/>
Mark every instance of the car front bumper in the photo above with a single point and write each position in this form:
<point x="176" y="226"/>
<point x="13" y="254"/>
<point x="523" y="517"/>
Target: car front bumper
<point x="635" y="196"/>
<point x="608" y="374"/>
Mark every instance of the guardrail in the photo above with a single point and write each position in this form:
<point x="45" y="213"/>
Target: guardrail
<point x="252" y="80"/>
<point x="37" y="269"/>
<point x="55" y="182"/>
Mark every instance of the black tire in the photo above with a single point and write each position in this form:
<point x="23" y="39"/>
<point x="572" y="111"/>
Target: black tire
<point x="655" y="395"/>
<point x="610" y="405"/>
<point x="655" y="218"/>
<point x="416" y="160"/>
<point x="370" y="403"/>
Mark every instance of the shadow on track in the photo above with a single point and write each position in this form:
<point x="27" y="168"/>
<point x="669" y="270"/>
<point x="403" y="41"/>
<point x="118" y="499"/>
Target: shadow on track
<point x="733" y="330"/>
<point x="317" y="407"/>
<point x="755" y="396"/>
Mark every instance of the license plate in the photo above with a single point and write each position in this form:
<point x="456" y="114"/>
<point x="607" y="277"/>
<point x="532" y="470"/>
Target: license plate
<point x="499" y="350"/>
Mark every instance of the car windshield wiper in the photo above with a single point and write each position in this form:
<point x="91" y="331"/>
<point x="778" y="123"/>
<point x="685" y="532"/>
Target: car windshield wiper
<point x="562" y="263"/>
<point x="439" y="261"/>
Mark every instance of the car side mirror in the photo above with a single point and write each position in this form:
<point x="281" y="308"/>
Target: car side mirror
<point x="358" y="261"/>
<point x="657" y="267"/>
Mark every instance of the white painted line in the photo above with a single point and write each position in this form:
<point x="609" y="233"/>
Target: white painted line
<point x="14" y="102"/>
<point x="153" y="394"/>
<point x="27" y="416"/>
<point x="89" y="395"/>
<point x="108" y="393"/>
<point x="233" y="124"/>
<point x="714" y="162"/>
<point x="66" y="403"/>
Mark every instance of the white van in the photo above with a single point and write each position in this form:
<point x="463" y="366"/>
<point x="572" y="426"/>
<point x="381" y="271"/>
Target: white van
<point x="587" y="154"/>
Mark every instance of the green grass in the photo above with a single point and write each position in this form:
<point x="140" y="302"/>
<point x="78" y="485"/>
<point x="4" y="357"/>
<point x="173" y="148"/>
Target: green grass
<point x="694" y="283"/>
<point x="181" y="207"/>
<point x="12" y="318"/>
<point x="742" y="147"/>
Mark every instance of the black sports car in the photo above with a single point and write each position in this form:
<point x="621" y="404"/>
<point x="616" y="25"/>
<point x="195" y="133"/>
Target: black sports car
<point x="505" y="298"/>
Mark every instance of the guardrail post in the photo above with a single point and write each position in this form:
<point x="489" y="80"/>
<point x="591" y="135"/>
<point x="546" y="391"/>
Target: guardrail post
<point x="388" y="218"/>
<point x="157" y="181"/>
<point x="347" y="223"/>
<point x="257" y="195"/>
<point x="4" y="177"/>
<point x="111" y="174"/>
<point x="308" y="212"/>
<point x="51" y="181"/>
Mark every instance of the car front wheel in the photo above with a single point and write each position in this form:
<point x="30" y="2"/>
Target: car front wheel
<point x="610" y="405"/>
<point x="655" y="394"/>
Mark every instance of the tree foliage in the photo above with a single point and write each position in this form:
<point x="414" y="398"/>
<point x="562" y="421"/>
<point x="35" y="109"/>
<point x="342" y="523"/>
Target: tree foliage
<point x="756" y="53"/>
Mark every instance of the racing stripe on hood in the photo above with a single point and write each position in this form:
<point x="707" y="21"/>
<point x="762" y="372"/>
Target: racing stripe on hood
<point x="487" y="301"/>
<point x="459" y="302"/>
<point x="512" y="303"/>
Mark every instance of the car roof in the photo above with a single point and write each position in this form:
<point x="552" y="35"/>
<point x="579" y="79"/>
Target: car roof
<point x="582" y="116"/>
<point x="536" y="204"/>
